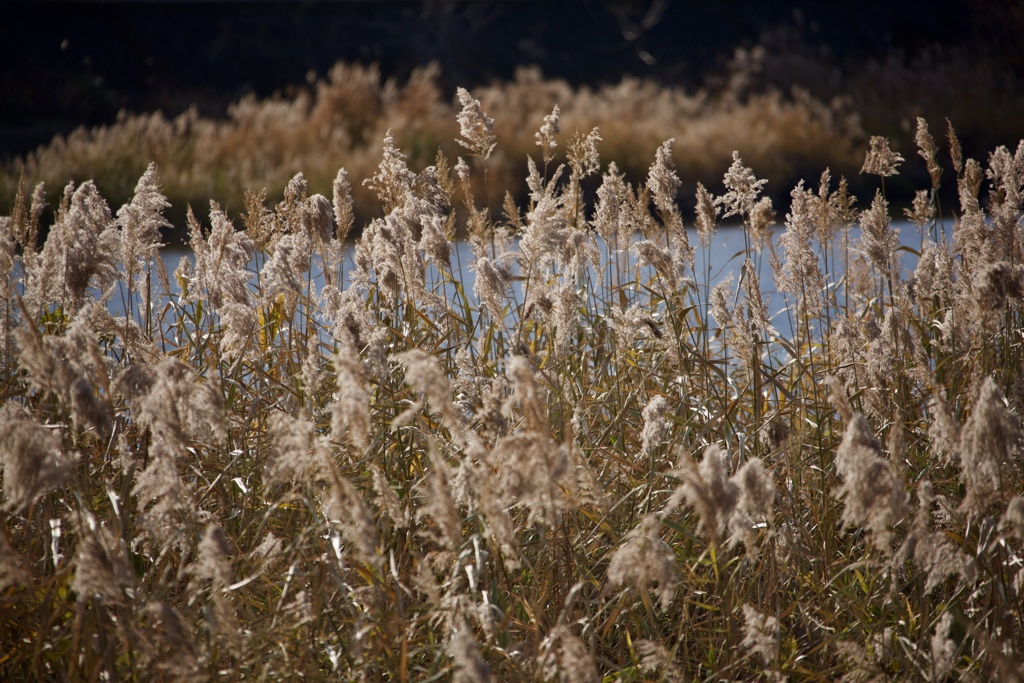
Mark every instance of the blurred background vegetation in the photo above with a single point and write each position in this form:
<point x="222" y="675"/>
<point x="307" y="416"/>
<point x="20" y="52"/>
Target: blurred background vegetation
<point x="227" y="96"/>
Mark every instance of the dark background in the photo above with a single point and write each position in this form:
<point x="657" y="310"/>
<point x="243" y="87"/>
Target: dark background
<point x="68" y="64"/>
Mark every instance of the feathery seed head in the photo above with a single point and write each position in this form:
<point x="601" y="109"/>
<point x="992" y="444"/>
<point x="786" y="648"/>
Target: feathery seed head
<point x="1012" y="520"/>
<point x="880" y="159"/>
<point x="928" y="151"/>
<point x="469" y="666"/>
<point x="350" y="409"/>
<point x="644" y="560"/>
<point x="565" y="657"/>
<point x="546" y="135"/>
<point x="490" y="286"/>
<point x="709" y="490"/>
<point x="879" y="240"/>
<point x="988" y="442"/>
<point x="754" y="504"/>
<point x="344" y="214"/>
<point x="318" y="220"/>
<point x="707" y="215"/>
<point x="996" y="283"/>
<point x="222" y="260"/>
<point x="955" y="152"/>
<point x="662" y="180"/>
<point x="873" y="496"/>
<point x="800" y="273"/>
<point x="292" y="458"/>
<point x="347" y="508"/>
<point x="12" y="573"/>
<point x="141" y="220"/>
<point x="922" y="212"/>
<point x="584" y="159"/>
<point x="656" y="427"/>
<point x="762" y="217"/>
<point x="477" y="128"/>
<point x="33" y="461"/>
<point x="743" y="189"/>
<point x="424" y="372"/>
<point x="393" y="180"/>
<point x="761" y="635"/>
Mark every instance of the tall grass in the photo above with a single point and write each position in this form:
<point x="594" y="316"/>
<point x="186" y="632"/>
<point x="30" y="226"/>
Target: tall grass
<point x="595" y="466"/>
<point x="342" y="118"/>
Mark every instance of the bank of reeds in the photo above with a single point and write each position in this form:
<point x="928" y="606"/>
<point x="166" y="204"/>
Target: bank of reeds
<point x="341" y="120"/>
<point x="592" y="467"/>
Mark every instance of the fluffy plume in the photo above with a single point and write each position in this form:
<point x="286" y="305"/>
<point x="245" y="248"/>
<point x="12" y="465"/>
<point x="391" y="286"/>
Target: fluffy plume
<point x="292" y="458"/>
<point x="643" y="560"/>
<point x="738" y="504"/>
<point x="469" y="666"/>
<point x="584" y="159"/>
<point x="393" y="180"/>
<point x="347" y="509"/>
<point x="707" y="215"/>
<point x="670" y="265"/>
<point x="872" y="494"/>
<point x="490" y="285"/>
<point x="800" y="274"/>
<point x="81" y="251"/>
<point x="173" y="641"/>
<point x="424" y="372"/>
<point x="438" y="502"/>
<point x="655" y="657"/>
<point x="344" y="215"/>
<point x="141" y="221"/>
<point x="221" y="259"/>
<point x="612" y="199"/>
<point x="955" y="152"/>
<point x="944" y="650"/>
<point x="537" y="473"/>
<point x="932" y="551"/>
<point x="880" y="159"/>
<point x="12" y="573"/>
<point x="318" y="220"/>
<point x="922" y="211"/>
<point x="101" y="566"/>
<point x="993" y="285"/>
<point x="34" y="462"/>
<point x="212" y="569"/>
<point x="656" y="427"/>
<point x="879" y="239"/>
<point x="564" y="657"/>
<point x="928" y="151"/>
<point x="988" y="442"/>
<point x="477" y="128"/>
<point x="286" y="272"/>
<point x="547" y="134"/>
<point x="350" y="409"/>
<point x="837" y="394"/>
<point x="239" y="325"/>
<point x="743" y="189"/>
<point x="663" y="184"/>
<point x="761" y="635"/>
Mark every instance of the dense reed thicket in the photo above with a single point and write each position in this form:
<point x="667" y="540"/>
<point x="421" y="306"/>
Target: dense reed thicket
<point x="593" y="466"/>
<point x="345" y="115"/>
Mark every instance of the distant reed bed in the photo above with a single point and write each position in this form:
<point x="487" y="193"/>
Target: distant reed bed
<point x="594" y="466"/>
<point x="787" y="105"/>
<point x="342" y="119"/>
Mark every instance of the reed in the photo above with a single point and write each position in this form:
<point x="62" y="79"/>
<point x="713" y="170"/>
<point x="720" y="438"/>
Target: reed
<point x="282" y="461"/>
